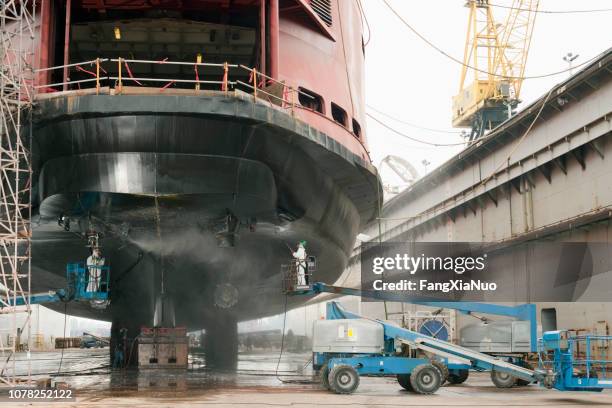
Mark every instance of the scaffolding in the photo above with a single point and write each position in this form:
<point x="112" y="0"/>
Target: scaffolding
<point x="17" y="37"/>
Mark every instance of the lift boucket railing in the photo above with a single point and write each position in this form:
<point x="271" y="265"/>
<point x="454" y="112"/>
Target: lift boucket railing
<point x="79" y="287"/>
<point x="581" y="362"/>
<point x="297" y="274"/>
<point x="118" y="73"/>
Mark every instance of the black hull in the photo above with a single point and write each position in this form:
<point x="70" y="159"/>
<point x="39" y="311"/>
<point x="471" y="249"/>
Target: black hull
<point x="154" y="174"/>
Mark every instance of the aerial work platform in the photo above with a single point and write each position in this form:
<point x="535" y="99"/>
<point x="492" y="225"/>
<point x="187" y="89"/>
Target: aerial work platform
<point x="347" y="345"/>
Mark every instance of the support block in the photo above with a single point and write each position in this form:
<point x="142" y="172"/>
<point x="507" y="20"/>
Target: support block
<point x="162" y="347"/>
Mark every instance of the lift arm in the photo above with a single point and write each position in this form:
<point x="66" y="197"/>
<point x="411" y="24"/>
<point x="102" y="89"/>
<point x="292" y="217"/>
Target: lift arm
<point x="37" y="298"/>
<point x="474" y="359"/>
<point x="522" y="312"/>
<point x="76" y="277"/>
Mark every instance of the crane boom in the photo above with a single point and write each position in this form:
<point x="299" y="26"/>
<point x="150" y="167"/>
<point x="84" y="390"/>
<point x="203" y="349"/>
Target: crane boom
<point x="494" y="57"/>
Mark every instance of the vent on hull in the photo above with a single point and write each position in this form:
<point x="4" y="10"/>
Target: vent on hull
<point x="323" y="10"/>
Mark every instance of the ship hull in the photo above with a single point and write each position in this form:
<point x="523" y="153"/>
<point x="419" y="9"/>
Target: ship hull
<point x="158" y="176"/>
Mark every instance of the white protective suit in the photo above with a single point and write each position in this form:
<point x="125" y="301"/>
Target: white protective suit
<point x="300" y="264"/>
<point x="94" y="266"/>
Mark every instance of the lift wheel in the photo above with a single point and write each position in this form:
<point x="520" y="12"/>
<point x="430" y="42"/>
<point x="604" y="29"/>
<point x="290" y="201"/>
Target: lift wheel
<point x="404" y="381"/>
<point x="443" y="370"/>
<point x="458" y="376"/>
<point x="502" y="380"/>
<point x="324" y="374"/>
<point x="343" y="379"/>
<point x="425" y="379"/>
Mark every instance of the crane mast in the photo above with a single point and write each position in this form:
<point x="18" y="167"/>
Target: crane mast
<point x="493" y="65"/>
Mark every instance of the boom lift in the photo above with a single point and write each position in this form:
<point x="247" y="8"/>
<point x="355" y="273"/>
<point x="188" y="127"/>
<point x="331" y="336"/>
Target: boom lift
<point x="76" y="289"/>
<point x="347" y="345"/>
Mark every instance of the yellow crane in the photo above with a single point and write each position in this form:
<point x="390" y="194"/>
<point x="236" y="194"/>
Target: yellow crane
<point x="493" y="65"/>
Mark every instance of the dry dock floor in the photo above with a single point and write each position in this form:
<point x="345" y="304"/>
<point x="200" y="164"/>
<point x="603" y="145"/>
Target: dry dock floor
<point x="255" y="384"/>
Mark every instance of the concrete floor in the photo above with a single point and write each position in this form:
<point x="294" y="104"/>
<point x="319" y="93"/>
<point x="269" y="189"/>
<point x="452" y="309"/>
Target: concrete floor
<point x="255" y="384"/>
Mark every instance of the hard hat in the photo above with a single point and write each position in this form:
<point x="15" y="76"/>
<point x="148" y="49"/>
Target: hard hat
<point x="303" y="243"/>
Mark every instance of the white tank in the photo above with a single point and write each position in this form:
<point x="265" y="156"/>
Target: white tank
<point x="348" y="336"/>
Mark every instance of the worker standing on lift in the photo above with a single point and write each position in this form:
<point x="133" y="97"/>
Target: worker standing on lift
<point x="301" y="266"/>
<point x="95" y="262"/>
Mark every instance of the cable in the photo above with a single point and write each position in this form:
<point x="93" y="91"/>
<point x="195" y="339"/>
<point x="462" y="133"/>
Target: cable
<point x="65" y="358"/>
<point x="552" y="11"/>
<point x="454" y="132"/>
<point x="518" y="143"/>
<point x="458" y="61"/>
<point x="365" y="19"/>
<point x="484" y="181"/>
<point x="64" y="337"/>
<point x="280" y="356"/>
<point x="397" y="132"/>
<point x="86" y="371"/>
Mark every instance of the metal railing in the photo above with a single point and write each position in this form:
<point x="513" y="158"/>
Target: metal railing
<point x="591" y="356"/>
<point x="258" y="84"/>
<point x="297" y="274"/>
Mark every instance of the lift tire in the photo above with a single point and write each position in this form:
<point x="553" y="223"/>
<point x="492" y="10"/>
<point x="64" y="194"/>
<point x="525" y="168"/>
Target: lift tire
<point x="519" y="381"/>
<point x="343" y="379"/>
<point x="404" y="381"/>
<point x="443" y="370"/>
<point x="425" y="379"/>
<point x="459" y="378"/>
<point x="323" y="374"/>
<point x="522" y="383"/>
<point x="502" y="380"/>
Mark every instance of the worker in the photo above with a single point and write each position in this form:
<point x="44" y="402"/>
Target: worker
<point x="95" y="263"/>
<point x="120" y="346"/>
<point x="301" y="266"/>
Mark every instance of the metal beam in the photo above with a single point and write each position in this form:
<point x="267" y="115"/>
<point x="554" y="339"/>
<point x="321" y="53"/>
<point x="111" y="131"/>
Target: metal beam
<point x="262" y="37"/>
<point x="517" y="185"/>
<point x="492" y="196"/>
<point x="597" y="146"/>
<point x="471" y="207"/>
<point x="67" y="44"/>
<point x="274" y="38"/>
<point x="530" y="181"/>
<point x="579" y="156"/>
<point x="546" y="171"/>
<point x="560" y="162"/>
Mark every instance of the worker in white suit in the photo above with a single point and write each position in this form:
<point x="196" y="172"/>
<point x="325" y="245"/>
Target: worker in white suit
<point x="95" y="262"/>
<point x="301" y="266"/>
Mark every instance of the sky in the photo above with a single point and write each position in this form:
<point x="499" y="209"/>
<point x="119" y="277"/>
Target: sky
<point x="407" y="79"/>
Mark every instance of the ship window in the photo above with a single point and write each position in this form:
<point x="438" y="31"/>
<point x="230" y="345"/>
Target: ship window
<point x="310" y="100"/>
<point x="338" y="114"/>
<point x="356" y="129"/>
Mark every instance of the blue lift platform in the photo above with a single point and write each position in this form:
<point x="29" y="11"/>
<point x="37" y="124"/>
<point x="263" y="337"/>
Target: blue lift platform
<point x="345" y="353"/>
<point x="76" y="289"/>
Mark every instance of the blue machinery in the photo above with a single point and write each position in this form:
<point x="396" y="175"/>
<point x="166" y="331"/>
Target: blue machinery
<point x="77" y="279"/>
<point x="525" y="312"/>
<point x="582" y="363"/>
<point x="347" y="345"/>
